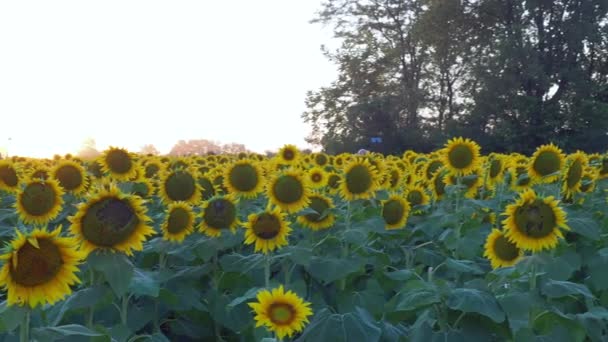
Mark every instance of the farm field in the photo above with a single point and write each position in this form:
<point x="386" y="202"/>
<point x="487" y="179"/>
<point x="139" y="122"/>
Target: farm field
<point x="459" y="244"/>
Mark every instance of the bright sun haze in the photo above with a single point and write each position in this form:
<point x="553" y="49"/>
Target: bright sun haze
<point x="130" y="73"/>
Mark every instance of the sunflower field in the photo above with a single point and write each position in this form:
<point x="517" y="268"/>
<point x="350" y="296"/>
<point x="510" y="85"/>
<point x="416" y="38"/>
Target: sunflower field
<point x="453" y="245"/>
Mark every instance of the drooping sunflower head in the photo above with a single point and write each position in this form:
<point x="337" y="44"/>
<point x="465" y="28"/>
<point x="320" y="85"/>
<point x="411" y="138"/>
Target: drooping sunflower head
<point x="283" y="313"/>
<point x="111" y="220"/>
<point x="471" y="182"/>
<point x="179" y="185"/>
<point x="438" y="183"/>
<point x="430" y="167"/>
<point x="500" y="251"/>
<point x="71" y="176"/>
<point x="179" y="222"/>
<point x="289" y="190"/>
<point x="534" y="223"/>
<point x="119" y="163"/>
<point x="589" y="179"/>
<point x="359" y="180"/>
<point x="395" y="211"/>
<point x="495" y="167"/>
<point x="317" y="177"/>
<point x="9" y="176"/>
<point x="394" y="177"/>
<point x="520" y="178"/>
<point x="288" y="154"/>
<point x="268" y="230"/>
<point x="416" y="195"/>
<point x="40" y="268"/>
<point x="244" y="178"/>
<point x="546" y="161"/>
<point x="461" y="156"/>
<point x="219" y="215"/>
<point x="40" y="171"/>
<point x="572" y="175"/>
<point x="206" y="186"/>
<point x="39" y="201"/>
<point x="322" y="218"/>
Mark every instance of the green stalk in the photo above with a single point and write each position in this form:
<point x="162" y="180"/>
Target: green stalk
<point x="345" y="244"/>
<point x="91" y="311"/>
<point x="267" y="271"/>
<point x="124" y="309"/>
<point x="161" y="265"/>
<point x="24" y="333"/>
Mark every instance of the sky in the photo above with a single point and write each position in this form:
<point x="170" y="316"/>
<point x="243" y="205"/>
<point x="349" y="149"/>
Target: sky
<point x="132" y="72"/>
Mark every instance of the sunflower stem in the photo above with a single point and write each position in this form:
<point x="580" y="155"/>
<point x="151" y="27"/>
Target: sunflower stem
<point x="91" y="311"/>
<point x="24" y="334"/>
<point x="533" y="276"/>
<point x="267" y="271"/>
<point x="345" y="244"/>
<point x="161" y="265"/>
<point x="123" y="309"/>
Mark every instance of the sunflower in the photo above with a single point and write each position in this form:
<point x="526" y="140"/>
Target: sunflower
<point x="219" y="213"/>
<point x="573" y="173"/>
<point x="39" y="201"/>
<point x="500" y="251"/>
<point x="283" y="313"/>
<point x="208" y="189"/>
<point x="179" y="185"/>
<point x="288" y="154"/>
<point x="94" y="168"/>
<point x="321" y="219"/>
<point x="153" y="168"/>
<point x="495" y="167"/>
<point x="40" y="171"/>
<point x="545" y="162"/>
<point x="589" y="179"/>
<point x="119" y="163"/>
<point x="111" y="220"/>
<point x="40" y="267"/>
<point x="268" y="230"/>
<point x="244" y="177"/>
<point x="471" y="183"/>
<point x="179" y="222"/>
<point x="71" y="176"/>
<point x="520" y="178"/>
<point x="603" y="167"/>
<point x="461" y="156"/>
<point x="438" y="183"/>
<point x="359" y="180"/>
<point x="431" y="167"/>
<point x="416" y="195"/>
<point x="288" y="190"/>
<point x="317" y="177"/>
<point x="321" y="159"/>
<point x="533" y="223"/>
<point x="395" y="211"/>
<point x="394" y="177"/>
<point x="9" y="176"/>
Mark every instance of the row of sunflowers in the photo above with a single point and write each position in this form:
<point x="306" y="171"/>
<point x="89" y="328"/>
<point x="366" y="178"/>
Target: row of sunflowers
<point x="354" y="247"/>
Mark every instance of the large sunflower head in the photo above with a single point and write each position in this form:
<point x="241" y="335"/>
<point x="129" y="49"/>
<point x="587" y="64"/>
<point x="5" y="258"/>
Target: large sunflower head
<point x="500" y="251"/>
<point x="111" y="220"/>
<point x="40" y="267"/>
<point x="359" y="180"/>
<point x="461" y="156"/>
<point x="572" y="175"/>
<point x="39" y="201"/>
<point x="119" y="163"/>
<point x="9" y="176"/>
<point x="219" y="214"/>
<point x="283" y="313"/>
<point x="395" y="211"/>
<point x="268" y="230"/>
<point x="288" y="154"/>
<point x="244" y="178"/>
<point x="71" y="176"/>
<point x="545" y="162"/>
<point x="179" y="222"/>
<point x="179" y="185"/>
<point x="289" y="190"/>
<point x="321" y="219"/>
<point x="534" y="223"/>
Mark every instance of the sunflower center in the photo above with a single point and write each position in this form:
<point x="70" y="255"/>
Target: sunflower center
<point x="546" y="163"/>
<point x="109" y="221"/>
<point x="495" y="168"/>
<point x="95" y="169"/>
<point x="433" y="166"/>
<point x="8" y="175"/>
<point x="393" y="211"/>
<point x="319" y="205"/>
<point x="358" y="179"/>
<point x="575" y="174"/>
<point x="119" y="161"/>
<point x="40" y="174"/>
<point x="505" y="250"/>
<point x="267" y="226"/>
<point x="220" y="214"/>
<point x="244" y="177"/>
<point x="316" y="177"/>
<point x="414" y="197"/>
<point x="460" y="156"/>
<point x="281" y="313"/>
<point x="151" y="170"/>
<point x="38" y="199"/>
<point x="36" y="266"/>
<point x="180" y="186"/>
<point x="179" y="219"/>
<point x="333" y="181"/>
<point x="321" y="159"/>
<point x="69" y="177"/>
<point x="394" y="179"/>
<point x="288" y="189"/>
<point x="208" y="189"/>
<point x="535" y="219"/>
<point x="439" y="185"/>
<point x="288" y="154"/>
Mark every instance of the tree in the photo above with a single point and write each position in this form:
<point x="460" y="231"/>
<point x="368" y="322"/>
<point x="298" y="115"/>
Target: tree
<point x="233" y="148"/>
<point x="197" y="147"/>
<point x="88" y="150"/>
<point x="149" y="149"/>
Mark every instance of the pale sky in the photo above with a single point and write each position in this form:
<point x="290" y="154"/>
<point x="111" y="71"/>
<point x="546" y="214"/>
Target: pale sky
<point x="128" y="73"/>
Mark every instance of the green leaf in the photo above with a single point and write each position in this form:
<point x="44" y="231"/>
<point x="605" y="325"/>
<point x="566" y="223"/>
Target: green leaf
<point x="584" y="226"/>
<point x="83" y="298"/>
<point x="329" y="269"/>
<point x="408" y="300"/>
<point x="353" y="326"/>
<point x="59" y="332"/>
<point x="241" y="263"/>
<point x="250" y="294"/>
<point x="517" y="308"/>
<point x="11" y="316"/>
<point x="472" y="300"/>
<point x="562" y="267"/>
<point x="400" y="275"/>
<point x="116" y="268"/>
<point x="558" y="289"/>
<point x="559" y="328"/>
<point x="144" y="283"/>
<point x="463" y="266"/>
